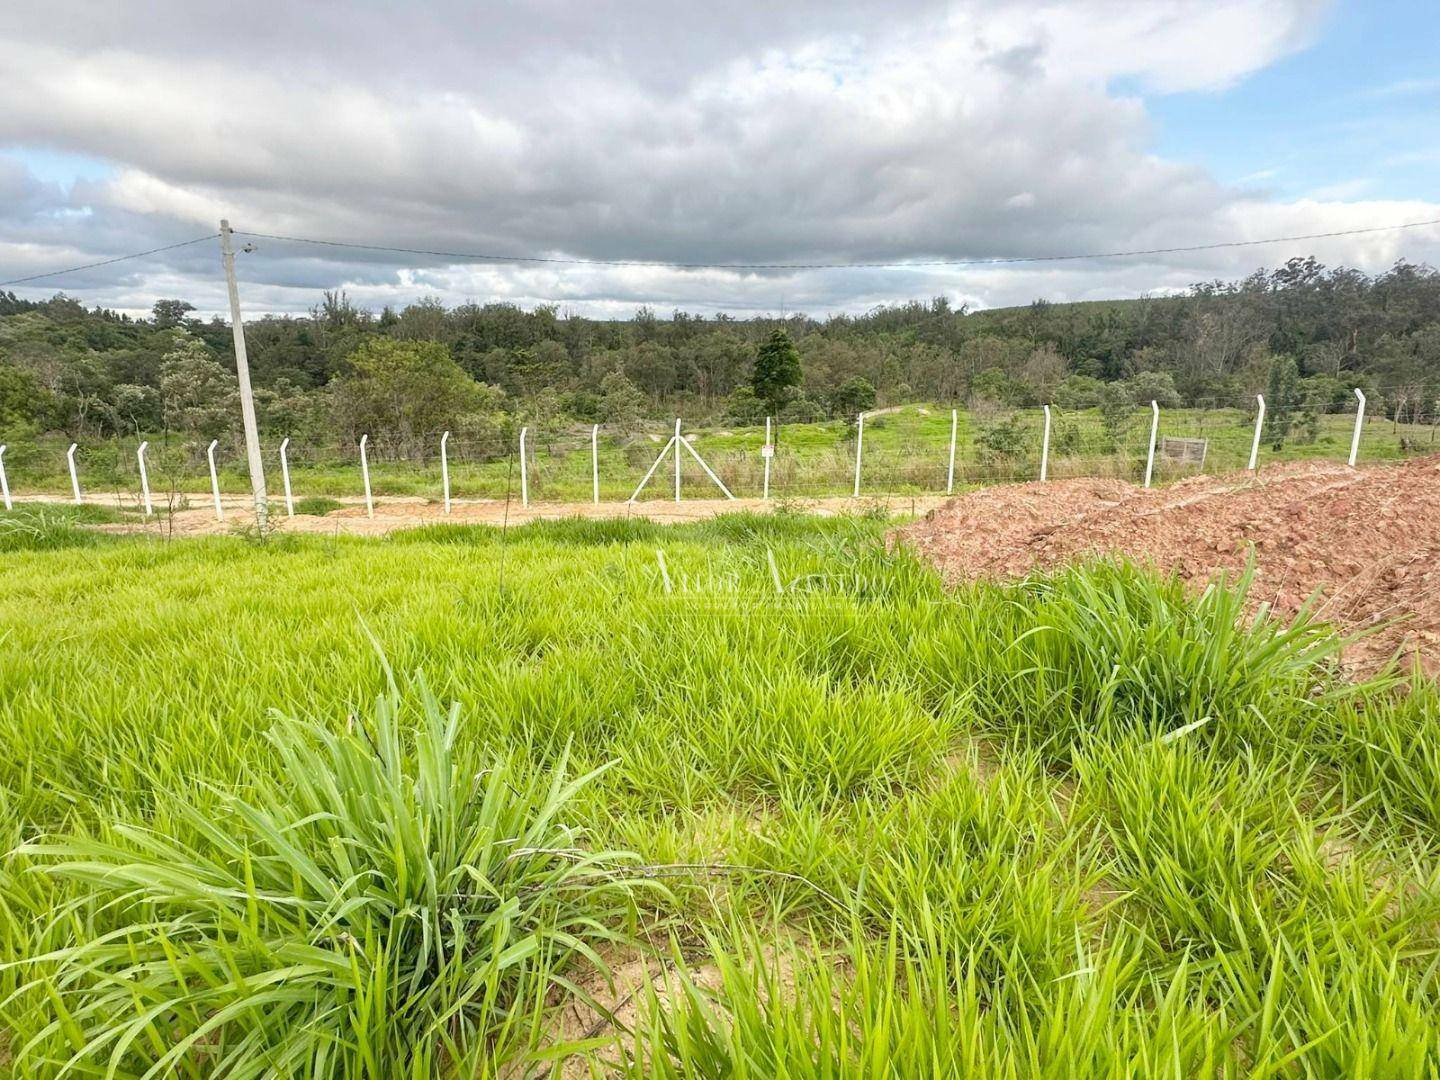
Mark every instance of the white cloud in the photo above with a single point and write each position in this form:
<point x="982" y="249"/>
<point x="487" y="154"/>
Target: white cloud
<point x="816" y="132"/>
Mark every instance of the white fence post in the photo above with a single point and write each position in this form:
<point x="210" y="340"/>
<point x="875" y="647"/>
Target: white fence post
<point x="766" y="453"/>
<point x="214" y="479"/>
<point x="595" y="463"/>
<point x="4" y="483"/>
<point x="445" y="469"/>
<point x="677" y="459"/>
<point x="1045" y="448"/>
<point x="365" y="474"/>
<point x="285" y="476"/>
<point x="524" y="471"/>
<point x="950" y="473"/>
<point x="74" y="476"/>
<point x="144" y="479"/>
<point x="1259" y="426"/>
<point x="859" y="449"/>
<point x="1359" y="424"/>
<point x="1154" y="430"/>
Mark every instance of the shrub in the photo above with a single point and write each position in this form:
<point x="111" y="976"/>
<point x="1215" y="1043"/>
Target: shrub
<point x="358" y="916"/>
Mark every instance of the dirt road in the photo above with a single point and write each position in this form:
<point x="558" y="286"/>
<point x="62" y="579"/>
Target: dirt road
<point x="198" y="514"/>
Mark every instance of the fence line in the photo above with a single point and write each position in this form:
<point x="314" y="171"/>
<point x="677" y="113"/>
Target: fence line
<point x="1002" y="446"/>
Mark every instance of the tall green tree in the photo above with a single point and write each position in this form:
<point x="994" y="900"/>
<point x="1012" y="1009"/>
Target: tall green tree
<point x="1282" y="398"/>
<point x="197" y="394"/>
<point x="406" y="392"/>
<point x="777" y="370"/>
<point x="852" y="397"/>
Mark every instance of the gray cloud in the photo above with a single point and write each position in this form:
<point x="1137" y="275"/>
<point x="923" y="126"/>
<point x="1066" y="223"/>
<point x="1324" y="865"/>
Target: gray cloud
<point x="678" y="131"/>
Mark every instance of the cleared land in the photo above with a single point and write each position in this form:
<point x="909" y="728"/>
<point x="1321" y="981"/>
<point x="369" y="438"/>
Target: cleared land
<point x="195" y="512"/>
<point x="1362" y="546"/>
<point x="837" y="819"/>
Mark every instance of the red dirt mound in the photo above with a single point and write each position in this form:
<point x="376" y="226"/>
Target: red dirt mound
<point x="1367" y="540"/>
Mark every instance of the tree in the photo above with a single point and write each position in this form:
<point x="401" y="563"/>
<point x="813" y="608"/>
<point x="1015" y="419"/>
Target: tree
<point x="171" y="313"/>
<point x="777" y="370"/>
<point x="407" y="390"/>
<point x="801" y="409"/>
<point x="197" y="394"/>
<point x="1156" y="386"/>
<point x="1117" y="410"/>
<point x="1078" y="392"/>
<point x="852" y="397"/>
<point x="1282" y="396"/>
<point x="621" y="401"/>
<point x="1042" y="372"/>
<point x="24" y="404"/>
<point x="743" y="407"/>
<point x="539" y="368"/>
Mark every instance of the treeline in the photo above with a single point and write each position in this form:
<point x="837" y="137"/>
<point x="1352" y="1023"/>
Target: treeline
<point x="1305" y="331"/>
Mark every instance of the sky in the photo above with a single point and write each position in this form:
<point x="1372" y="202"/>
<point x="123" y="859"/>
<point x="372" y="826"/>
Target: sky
<point x="815" y="131"/>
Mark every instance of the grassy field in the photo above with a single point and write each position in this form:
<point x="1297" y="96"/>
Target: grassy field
<point x="905" y="452"/>
<point x="857" y="825"/>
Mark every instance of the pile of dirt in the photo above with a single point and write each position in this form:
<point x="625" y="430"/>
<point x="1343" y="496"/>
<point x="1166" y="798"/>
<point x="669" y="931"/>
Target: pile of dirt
<point x="1366" y="540"/>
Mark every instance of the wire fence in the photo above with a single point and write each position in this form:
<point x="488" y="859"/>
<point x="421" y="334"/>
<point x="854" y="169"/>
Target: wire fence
<point x="904" y="451"/>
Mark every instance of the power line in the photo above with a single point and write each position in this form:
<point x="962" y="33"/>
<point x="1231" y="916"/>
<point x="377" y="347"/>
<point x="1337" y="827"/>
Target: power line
<point x="673" y="265"/>
<point x="109" y="262"/>
<point x="898" y="264"/>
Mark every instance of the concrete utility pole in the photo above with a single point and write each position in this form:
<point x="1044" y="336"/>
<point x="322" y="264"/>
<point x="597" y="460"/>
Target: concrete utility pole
<point x="242" y="371"/>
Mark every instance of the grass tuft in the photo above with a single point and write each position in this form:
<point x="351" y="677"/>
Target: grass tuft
<point x="381" y="907"/>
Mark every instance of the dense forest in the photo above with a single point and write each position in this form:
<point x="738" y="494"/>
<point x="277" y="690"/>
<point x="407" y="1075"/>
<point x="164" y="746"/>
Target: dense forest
<point x="1304" y="332"/>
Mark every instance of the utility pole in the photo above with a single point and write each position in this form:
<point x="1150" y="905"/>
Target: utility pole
<point x="242" y="372"/>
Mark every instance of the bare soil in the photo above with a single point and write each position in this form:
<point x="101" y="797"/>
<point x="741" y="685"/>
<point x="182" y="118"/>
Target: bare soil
<point x="1365" y="541"/>
<point x="195" y="513"/>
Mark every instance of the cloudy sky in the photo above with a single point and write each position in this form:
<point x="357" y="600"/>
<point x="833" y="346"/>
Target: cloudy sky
<point x="813" y="131"/>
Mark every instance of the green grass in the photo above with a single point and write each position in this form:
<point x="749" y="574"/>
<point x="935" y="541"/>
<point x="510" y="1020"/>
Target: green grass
<point x="48" y="526"/>
<point x="317" y="505"/>
<point x="1085" y="825"/>
<point x="905" y="452"/>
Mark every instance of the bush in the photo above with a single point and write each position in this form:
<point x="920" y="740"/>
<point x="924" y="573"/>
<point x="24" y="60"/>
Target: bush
<point x="1003" y="440"/>
<point x="852" y="397"/>
<point x="1078" y="392"/>
<point x="1156" y="386"/>
<point x="359" y="916"/>
<point x="801" y="409"/>
<point x="744" y="407"/>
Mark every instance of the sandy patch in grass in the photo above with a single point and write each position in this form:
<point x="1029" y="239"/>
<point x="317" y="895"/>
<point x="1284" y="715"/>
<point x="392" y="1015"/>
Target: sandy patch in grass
<point x="610" y="1008"/>
<point x="408" y="512"/>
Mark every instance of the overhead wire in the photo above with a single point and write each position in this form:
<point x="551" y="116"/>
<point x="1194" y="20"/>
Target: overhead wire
<point x="859" y="265"/>
<point x="493" y="257"/>
<point x="110" y="262"/>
